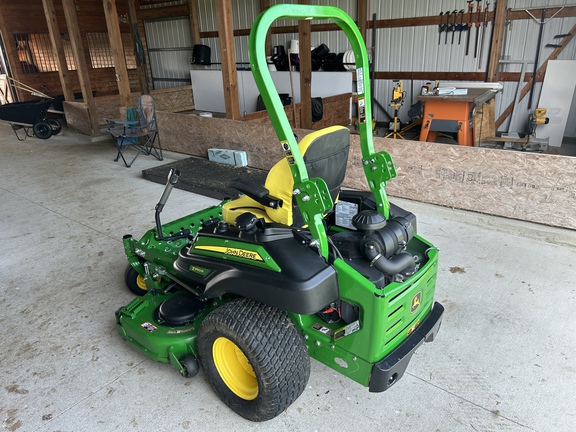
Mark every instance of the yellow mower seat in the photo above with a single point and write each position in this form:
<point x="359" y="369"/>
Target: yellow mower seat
<point x="325" y="154"/>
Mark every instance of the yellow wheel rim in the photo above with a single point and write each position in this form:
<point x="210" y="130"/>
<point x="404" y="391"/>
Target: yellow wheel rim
<point x="141" y="283"/>
<point x="235" y="369"/>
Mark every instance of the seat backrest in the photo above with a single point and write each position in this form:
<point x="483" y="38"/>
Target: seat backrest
<point x="325" y="154"/>
<point x="147" y="109"/>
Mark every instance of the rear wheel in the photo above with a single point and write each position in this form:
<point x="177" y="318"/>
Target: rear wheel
<point x="254" y="358"/>
<point x="55" y="125"/>
<point x="42" y="130"/>
<point x="134" y="281"/>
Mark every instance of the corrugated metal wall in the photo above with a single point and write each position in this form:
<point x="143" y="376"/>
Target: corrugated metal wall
<point x="169" y="44"/>
<point x="416" y="48"/>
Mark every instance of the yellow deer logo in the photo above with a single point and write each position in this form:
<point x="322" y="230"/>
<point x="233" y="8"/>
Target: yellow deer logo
<point x="416" y="300"/>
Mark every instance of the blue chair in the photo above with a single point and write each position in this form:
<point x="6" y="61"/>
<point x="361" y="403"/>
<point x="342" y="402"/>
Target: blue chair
<point x="140" y="135"/>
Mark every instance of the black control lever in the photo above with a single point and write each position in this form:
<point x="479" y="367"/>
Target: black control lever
<point x="173" y="177"/>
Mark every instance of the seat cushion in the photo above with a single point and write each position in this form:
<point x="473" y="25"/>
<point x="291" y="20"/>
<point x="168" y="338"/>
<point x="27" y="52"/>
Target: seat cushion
<point x="325" y="154"/>
<point x="232" y="209"/>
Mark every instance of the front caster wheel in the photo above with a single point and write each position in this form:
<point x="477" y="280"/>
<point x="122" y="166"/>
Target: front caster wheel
<point x="135" y="283"/>
<point x="254" y="358"/>
<point x="190" y="366"/>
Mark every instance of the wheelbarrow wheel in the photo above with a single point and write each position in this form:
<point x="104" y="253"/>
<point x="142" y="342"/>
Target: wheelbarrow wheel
<point x="55" y="125"/>
<point x="134" y="281"/>
<point x="254" y="358"/>
<point x="42" y="130"/>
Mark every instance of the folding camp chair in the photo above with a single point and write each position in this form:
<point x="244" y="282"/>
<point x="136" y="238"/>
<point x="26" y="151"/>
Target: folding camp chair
<point x="141" y="135"/>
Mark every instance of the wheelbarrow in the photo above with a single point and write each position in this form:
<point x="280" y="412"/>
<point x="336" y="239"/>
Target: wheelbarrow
<point x="30" y="115"/>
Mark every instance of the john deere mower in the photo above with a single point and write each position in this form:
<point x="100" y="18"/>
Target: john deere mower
<point x="251" y="288"/>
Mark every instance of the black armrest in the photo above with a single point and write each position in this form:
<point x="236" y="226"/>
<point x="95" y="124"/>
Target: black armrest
<point x="257" y="192"/>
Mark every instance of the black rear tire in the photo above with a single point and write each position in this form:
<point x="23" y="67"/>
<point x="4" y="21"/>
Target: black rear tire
<point x="134" y="281"/>
<point x="55" y="125"/>
<point x="42" y="130"/>
<point x="254" y="358"/>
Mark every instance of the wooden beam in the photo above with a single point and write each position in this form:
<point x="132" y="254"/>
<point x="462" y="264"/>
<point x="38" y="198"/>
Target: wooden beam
<point x="194" y="26"/>
<point x="361" y="17"/>
<point x="305" y="71"/>
<point x="58" y="49"/>
<point x="228" y="59"/>
<point x="431" y="75"/>
<point x="539" y="75"/>
<point x="450" y="76"/>
<point x="566" y="12"/>
<point x="117" y="49"/>
<point x="136" y="40"/>
<point x="497" y="37"/>
<point x="69" y="7"/>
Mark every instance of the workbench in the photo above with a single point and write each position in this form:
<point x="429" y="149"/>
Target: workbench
<point x="452" y="114"/>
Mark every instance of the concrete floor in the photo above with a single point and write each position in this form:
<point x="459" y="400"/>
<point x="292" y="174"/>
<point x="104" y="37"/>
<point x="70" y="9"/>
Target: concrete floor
<point x="504" y="359"/>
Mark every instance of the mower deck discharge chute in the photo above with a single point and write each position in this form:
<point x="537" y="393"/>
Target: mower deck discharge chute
<point x="251" y="288"/>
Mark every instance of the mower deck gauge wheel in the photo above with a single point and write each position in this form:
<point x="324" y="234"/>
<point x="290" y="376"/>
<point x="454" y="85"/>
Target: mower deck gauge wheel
<point x="135" y="283"/>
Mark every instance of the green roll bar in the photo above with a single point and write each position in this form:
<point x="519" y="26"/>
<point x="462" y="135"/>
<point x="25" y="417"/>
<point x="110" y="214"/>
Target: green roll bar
<point x="312" y="194"/>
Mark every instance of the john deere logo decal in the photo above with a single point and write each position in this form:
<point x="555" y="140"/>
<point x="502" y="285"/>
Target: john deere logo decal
<point x="416" y="302"/>
<point x="240" y="253"/>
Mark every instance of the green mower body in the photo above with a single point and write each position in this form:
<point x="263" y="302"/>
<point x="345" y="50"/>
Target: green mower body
<point x="353" y="287"/>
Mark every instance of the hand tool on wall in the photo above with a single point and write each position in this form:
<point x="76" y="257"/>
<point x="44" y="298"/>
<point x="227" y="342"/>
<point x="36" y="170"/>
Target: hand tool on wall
<point x="440" y="27"/>
<point x="469" y="25"/>
<point x="483" y="34"/>
<point x="489" y="51"/>
<point x="478" y="19"/>
<point x="453" y="28"/>
<point x="558" y="36"/>
<point x="460" y="27"/>
<point x="447" y="26"/>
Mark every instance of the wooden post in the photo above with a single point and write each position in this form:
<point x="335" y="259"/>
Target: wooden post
<point x="12" y="59"/>
<point x="264" y="5"/>
<point x="194" y="26"/>
<point x="58" y="49"/>
<point x="117" y="50"/>
<point x="362" y="8"/>
<point x="69" y="7"/>
<point x="228" y="59"/>
<point x="498" y="34"/>
<point x="305" y="72"/>
<point x="140" y="65"/>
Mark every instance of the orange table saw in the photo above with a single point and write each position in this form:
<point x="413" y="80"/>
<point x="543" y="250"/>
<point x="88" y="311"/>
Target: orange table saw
<point x="452" y="114"/>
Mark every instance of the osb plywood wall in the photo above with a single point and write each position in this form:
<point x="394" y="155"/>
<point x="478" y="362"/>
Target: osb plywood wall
<point x="171" y="99"/>
<point x="77" y="117"/>
<point x="527" y="186"/>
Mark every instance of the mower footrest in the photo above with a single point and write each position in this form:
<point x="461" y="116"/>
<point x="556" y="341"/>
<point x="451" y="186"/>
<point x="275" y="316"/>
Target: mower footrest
<point x="390" y="369"/>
